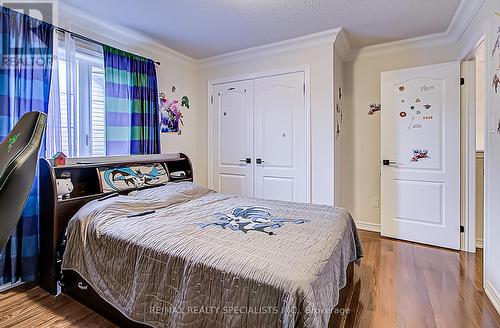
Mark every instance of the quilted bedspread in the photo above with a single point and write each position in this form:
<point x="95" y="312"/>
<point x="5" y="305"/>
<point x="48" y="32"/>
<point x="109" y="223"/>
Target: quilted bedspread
<point x="206" y="259"/>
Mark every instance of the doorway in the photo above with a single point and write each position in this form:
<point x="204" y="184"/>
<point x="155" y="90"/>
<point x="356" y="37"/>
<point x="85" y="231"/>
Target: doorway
<point x="480" y="59"/>
<point x="473" y="137"/>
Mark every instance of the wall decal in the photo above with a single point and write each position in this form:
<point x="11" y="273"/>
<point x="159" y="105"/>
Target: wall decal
<point x="339" y="115"/>
<point x="419" y="154"/>
<point x="374" y="108"/>
<point x="419" y="117"/>
<point x="411" y="122"/>
<point x="496" y="46"/>
<point x="185" y="102"/>
<point x="496" y="82"/>
<point x="339" y="119"/>
<point x="171" y="118"/>
<point x="426" y="88"/>
<point x="495" y="56"/>
<point x="174" y="88"/>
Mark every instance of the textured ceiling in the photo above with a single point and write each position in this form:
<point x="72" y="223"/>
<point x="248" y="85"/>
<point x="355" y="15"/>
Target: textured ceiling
<point x="204" y="28"/>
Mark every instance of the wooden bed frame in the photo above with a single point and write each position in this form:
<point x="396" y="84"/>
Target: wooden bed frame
<point x="56" y="213"/>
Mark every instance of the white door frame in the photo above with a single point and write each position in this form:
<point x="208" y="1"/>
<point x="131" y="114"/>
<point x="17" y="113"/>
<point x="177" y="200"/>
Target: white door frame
<point x="468" y="239"/>
<point x="468" y="95"/>
<point x="306" y="70"/>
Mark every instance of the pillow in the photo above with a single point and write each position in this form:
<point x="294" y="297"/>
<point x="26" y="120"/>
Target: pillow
<point x="134" y="176"/>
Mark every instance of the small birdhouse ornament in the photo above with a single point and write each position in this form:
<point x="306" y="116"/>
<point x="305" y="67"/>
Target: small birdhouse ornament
<point x="59" y="159"/>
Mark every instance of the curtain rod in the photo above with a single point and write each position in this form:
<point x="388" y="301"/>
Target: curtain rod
<point x="60" y="29"/>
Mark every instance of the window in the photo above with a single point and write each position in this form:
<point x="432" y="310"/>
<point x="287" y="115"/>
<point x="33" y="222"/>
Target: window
<point x="82" y="116"/>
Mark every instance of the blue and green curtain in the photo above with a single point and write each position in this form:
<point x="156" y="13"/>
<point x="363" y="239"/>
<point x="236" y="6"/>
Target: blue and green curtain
<point x="132" y="122"/>
<point x="25" y="72"/>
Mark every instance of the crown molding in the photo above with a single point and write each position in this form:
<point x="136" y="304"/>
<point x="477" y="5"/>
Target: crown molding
<point x="307" y="41"/>
<point x="76" y="20"/>
<point x="401" y="45"/>
<point x="342" y="45"/>
<point x="463" y="17"/>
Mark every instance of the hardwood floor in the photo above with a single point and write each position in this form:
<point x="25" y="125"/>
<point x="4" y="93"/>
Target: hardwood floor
<point x="398" y="284"/>
<point x="404" y="284"/>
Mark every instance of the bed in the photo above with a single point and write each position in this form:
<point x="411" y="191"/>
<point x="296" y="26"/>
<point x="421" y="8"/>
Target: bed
<point x="179" y="254"/>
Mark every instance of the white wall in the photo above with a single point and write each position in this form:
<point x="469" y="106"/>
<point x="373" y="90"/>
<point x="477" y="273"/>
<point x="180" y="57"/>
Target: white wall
<point x="339" y="119"/>
<point x="486" y="23"/>
<point x="175" y="69"/>
<point x="320" y="60"/>
<point x="492" y="161"/>
<point x="480" y="57"/>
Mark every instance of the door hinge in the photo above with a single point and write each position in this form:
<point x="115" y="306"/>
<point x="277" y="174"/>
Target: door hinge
<point x="212" y="99"/>
<point x="462" y="229"/>
<point x="304" y="88"/>
<point x="462" y="81"/>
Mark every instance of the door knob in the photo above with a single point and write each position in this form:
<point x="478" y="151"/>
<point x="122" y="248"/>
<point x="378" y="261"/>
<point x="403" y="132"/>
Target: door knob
<point x="246" y="160"/>
<point x="387" y="162"/>
<point x="259" y="161"/>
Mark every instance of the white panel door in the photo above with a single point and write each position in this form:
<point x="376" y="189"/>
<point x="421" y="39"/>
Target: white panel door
<point x="232" y="143"/>
<point x="420" y="196"/>
<point x="280" y="136"/>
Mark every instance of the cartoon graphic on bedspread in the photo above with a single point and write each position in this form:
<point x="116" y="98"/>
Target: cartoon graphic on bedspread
<point x="133" y="177"/>
<point x="252" y="218"/>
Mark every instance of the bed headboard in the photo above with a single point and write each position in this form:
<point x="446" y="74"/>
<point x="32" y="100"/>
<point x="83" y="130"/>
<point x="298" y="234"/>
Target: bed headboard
<point x="89" y="184"/>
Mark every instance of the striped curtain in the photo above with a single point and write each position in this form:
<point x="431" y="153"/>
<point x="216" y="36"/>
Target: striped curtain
<point x="132" y="123"/>
<point x="25" y="74"/>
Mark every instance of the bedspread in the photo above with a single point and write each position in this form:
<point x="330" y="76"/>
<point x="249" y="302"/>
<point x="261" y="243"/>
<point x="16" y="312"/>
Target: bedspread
<point x="206" y="259"/>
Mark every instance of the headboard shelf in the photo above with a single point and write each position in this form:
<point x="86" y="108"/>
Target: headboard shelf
<point x="83" y="198"/>
<point x="87" y="179"/>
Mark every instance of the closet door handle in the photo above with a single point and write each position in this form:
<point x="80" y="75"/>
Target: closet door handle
<point x="246" y="160"/>
<point x="259" y="161"/>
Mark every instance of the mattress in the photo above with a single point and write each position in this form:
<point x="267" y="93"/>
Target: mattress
<point x="192" y="257"/>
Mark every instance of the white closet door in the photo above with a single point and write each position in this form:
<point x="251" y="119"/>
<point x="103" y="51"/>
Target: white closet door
<point x="280" y="136"/>
<point x="232" y="141"/>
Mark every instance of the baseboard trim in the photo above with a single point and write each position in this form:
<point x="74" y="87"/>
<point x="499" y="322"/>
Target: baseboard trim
<point x="368" y="226"/>
<point x="374" y="227"/>
<point x="479" y="243"/>
<point x="493" y="295"/>
<point x="6" y="287"/>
